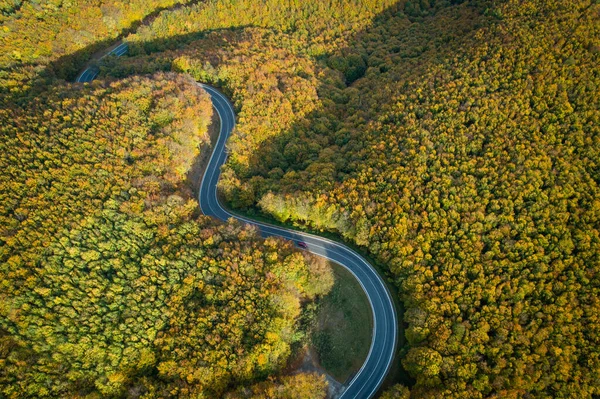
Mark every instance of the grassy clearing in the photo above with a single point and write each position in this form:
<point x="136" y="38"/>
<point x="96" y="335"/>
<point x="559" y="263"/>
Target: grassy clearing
<point x="342" y="332"/>
<point x="397" y="374"/>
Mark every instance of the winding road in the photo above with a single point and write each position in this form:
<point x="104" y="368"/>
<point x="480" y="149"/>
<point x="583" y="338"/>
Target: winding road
<point x="368" y="379"/>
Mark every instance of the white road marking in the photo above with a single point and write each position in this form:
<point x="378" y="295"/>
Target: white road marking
<point x="370" y="274"/>
<point x="215" y="93"/>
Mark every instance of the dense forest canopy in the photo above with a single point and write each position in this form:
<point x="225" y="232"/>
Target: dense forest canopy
<point x="111" y="282"/>
<point x="472" y="174"/>
<point x="456" y="142"/>
<point x="39" y="31"/>
<point x="42" y="40"/>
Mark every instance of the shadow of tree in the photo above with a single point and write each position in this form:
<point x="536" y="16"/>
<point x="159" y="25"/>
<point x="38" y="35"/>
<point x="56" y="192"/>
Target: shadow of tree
<point x="344" y="108"/>
<point x="36" y="76"/>
<point x="68" y="66"/>
<point x="320" y="148"/>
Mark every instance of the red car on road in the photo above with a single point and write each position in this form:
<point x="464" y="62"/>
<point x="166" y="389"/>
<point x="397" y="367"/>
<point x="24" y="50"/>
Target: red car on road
<point x="302" y="244"/>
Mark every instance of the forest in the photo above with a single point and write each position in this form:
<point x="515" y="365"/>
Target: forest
<point x="112" y="283"/>
<point x="456" y="143"/>
<point x="36" y="32"/>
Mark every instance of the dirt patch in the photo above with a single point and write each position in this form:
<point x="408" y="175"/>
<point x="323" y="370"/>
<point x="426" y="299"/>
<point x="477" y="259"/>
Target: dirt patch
<point x="340" y="334"/>
<point x="308" y="362"/>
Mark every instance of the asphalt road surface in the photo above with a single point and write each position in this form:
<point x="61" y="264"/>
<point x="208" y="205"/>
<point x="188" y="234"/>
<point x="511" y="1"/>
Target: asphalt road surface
<point x="368" y="379"/>
<point x="91" y="72"/>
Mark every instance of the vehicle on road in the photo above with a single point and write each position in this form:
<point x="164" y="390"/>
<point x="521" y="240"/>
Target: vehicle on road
<point x="302" y="244"/>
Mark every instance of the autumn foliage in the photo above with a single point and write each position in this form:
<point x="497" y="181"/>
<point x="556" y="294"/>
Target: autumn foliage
<point x="457" y="143"/>
<point x="112" y="284"/>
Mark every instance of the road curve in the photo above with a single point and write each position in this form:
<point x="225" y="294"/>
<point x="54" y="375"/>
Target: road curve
<point x="91" y="72"/>
<point x="368" y="379"/>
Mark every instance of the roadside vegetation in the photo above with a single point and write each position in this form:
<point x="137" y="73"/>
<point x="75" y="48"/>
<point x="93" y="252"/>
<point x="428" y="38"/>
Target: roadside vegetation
<point x="343" y="327"/>
<point x="457" y="142"/>
<point x="112" y="282"/>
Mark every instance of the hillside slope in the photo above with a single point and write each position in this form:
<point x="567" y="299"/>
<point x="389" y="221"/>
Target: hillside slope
<point x="457" y="142"/>
<point x="112" y="285"/>
<point x="469" y="168"/>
